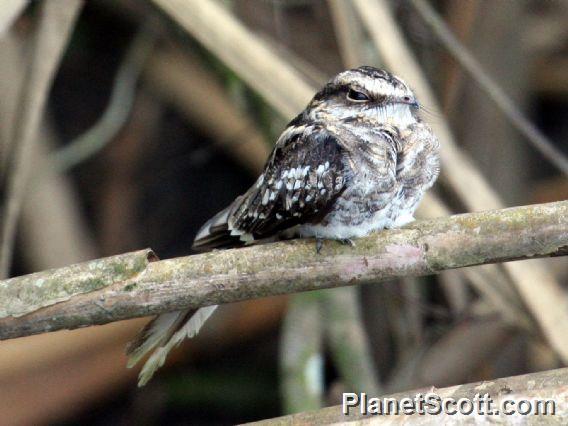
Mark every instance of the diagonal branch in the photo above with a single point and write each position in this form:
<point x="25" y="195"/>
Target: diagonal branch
<point x="544" y="386"/>
<point x="116" y="112"/>
<point x="128" y="286"/>
<point x="457" y="168"/>
<point x="549" y="303"/>
<point x="227" y="38"/>
<point x="490" y="87"/>
<point x="10" y="11"/>
<point x="56" y="22"/>
<point x="253" y="60"/>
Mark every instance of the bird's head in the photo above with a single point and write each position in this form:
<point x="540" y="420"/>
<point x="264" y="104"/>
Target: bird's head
<point x="366" y="94"/>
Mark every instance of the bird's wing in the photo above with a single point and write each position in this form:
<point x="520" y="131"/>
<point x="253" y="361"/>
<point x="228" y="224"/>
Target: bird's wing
<point x="307" y="170"/>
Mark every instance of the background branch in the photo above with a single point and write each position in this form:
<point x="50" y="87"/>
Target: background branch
<point x="117" y="111"/>
<point x="546" y="384"/>
<point x="348" y="341"/>
<point x="301" y="358"/>
<point x="57" y="19"/>
<point x="253" y="60"/>
<point x="548" y="304"/>
<point x="233" y="43"/>
<point x="9" y="12"/>
<point x="202" y="99"/>
<point x="490" y="87"/>
<point x="200" y="123"/>
<point x="139" y="288"/>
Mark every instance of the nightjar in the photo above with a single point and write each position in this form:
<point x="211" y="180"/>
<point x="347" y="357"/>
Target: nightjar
<point x="356" y="160"/>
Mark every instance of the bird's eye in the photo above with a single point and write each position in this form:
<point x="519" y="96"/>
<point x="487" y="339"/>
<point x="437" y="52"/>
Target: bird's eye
<point x="354" y="95"/>
<point x="406" y="99"/>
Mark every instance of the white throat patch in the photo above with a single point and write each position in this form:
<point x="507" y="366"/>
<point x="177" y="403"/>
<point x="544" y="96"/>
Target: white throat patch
<point x="398" y="115"/>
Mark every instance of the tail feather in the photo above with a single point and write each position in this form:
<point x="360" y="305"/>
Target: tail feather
<point x="217" y="233"/>
<point x="161" y="335"/>
<point x="167" y="330"/>
<point x="156" y="333"/>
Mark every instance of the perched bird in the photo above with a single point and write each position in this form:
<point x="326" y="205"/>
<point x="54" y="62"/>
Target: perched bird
<point x="356" y="160"/>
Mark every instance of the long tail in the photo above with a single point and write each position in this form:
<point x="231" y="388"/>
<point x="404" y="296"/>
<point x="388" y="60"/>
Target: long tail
<point x="160" y="335"/>
<point x="166" y="331"/>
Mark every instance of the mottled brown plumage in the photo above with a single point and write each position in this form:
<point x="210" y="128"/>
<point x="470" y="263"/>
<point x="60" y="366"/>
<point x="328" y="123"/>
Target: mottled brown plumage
<point x="356" y="160"/>
<point x="343" y="167"/>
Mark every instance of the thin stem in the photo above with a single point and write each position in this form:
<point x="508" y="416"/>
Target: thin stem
<point x="57" y="19"/>
<point x="117" y="110"/>
<point x="490" y="87"/>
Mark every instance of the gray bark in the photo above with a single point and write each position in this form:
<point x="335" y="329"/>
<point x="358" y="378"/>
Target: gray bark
<point x="129" y="285"/>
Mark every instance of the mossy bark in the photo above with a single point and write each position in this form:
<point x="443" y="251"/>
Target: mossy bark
<point x="424" y="247"/>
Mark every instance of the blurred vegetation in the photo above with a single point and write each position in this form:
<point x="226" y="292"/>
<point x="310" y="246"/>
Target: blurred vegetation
<point x="166" y="170"/>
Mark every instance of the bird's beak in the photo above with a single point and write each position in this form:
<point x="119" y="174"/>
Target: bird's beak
<point x="413" y="103"/>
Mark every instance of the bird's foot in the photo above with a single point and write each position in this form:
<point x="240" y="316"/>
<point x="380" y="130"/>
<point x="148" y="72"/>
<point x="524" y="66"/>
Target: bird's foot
<point x="319" y="245"/>
<point x="343" y="241"/>
<point x="347" y="242"/>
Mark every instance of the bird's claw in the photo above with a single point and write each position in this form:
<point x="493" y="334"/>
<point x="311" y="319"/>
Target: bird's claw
<point x="347" y="242"/>
<point x="343" y="241"/>
<point x="319" y="245"/>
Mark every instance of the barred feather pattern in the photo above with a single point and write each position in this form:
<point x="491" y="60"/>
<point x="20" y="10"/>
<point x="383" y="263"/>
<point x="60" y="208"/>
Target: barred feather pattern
<point x="161" y="335"/>
<point x="305" y="174"/>
<point x="356" y="160"/>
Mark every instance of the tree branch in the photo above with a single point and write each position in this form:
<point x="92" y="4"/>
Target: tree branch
<point x="56" y="22"/>
<point x="543" y="385"/>
<point x="301" y="360"/>
<point x="490" y="87"/>
<point x="349" y="345"/>
<point x="245" y="53"/>
<point x="129" y="285"/>
<point x="549" y="304"/>
<point x="10" y="11"/>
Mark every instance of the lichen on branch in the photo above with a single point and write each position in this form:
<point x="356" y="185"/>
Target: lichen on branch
<point x="422" y="248"/>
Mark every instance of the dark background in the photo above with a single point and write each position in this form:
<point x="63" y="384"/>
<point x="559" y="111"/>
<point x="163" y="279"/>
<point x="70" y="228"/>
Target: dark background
<point x="166" y="171"/>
